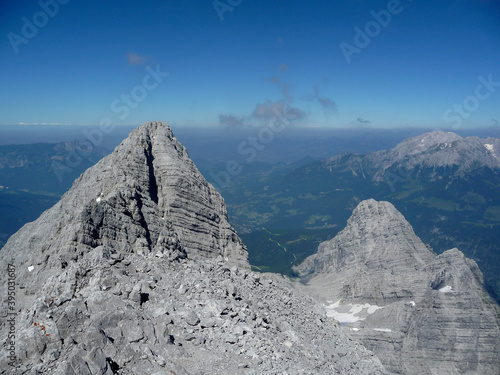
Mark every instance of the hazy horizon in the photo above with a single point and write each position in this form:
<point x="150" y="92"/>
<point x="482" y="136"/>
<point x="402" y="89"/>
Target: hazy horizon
<point x="29" y="134"/>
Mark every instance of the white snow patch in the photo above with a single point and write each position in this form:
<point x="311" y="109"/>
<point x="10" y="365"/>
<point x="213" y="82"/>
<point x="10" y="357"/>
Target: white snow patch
<point x="30" y="268"/>
<point x="491" y="149"/>
<point x="382" y="329"/>
<point x="350" y="313"/>
<point x="446" y="289"/>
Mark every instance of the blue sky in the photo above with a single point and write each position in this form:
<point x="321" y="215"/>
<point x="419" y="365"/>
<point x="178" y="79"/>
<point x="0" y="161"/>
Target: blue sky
<point x="425" y="67"/>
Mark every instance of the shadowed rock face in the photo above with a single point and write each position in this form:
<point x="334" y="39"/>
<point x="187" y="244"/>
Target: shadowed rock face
<point x="420" y="313"/>
<point x="137" y="271"/>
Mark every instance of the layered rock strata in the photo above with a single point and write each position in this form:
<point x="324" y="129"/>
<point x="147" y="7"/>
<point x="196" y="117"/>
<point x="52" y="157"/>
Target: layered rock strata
<point x="420" y="313"/>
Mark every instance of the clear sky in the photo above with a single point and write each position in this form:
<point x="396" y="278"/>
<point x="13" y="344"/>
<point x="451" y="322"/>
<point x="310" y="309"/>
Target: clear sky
<point x="332" y="63"/>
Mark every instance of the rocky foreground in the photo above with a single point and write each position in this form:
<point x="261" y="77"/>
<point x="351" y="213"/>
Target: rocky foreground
<point x="137" y="271"/>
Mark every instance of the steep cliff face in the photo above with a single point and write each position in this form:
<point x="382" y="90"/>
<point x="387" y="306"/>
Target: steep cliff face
<point x="420" y="313"/>
<point x="137" y="271"/>
<point x="146" y="196"/>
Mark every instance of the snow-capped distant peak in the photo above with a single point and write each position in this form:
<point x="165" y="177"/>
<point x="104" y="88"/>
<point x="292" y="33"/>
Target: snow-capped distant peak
<point x="422" y="143"/>
<point x="434" y="138"/>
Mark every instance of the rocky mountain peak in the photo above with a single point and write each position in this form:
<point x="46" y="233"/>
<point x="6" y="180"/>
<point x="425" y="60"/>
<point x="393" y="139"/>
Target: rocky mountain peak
<point x="377" y="236"/>
<point x="436" y="150"/>
<point x="384" y="285"/>
<point x="136" y="270"/>
<point x="423" y="142"/>
<point x="145" y="197"/>
<point x="371" y="214"/>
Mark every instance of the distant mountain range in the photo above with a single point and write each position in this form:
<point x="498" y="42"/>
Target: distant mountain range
<point x="445" y="185"/>
<point x="432" y="150"/>
<point x="34" y="176"/>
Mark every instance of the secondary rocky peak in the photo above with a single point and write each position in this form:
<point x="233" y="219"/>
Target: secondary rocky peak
<point x="371" y="214"/>
<point x="377" y="236"/>
<point x="421" y="313"/>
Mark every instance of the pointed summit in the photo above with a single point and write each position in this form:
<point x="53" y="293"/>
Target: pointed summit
<point x="376" y="236"/>
<point x="378" y="279"/>
<point x="147" y="196"/>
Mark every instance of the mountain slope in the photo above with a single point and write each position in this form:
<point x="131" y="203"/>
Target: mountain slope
<point x="34" y="177"/>
<point x="421" y="313"/>
<point x="137" y="270"/>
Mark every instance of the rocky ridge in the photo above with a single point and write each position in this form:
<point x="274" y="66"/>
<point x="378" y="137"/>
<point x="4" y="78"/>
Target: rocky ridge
<point x="436" y="149"/>
<point x="419" y="312"/>
<point x="137" y="270"/>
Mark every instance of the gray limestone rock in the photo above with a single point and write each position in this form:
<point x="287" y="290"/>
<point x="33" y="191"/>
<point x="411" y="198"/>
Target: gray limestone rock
<point x="419" y="312"/>
<point x="137" y="271"/>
